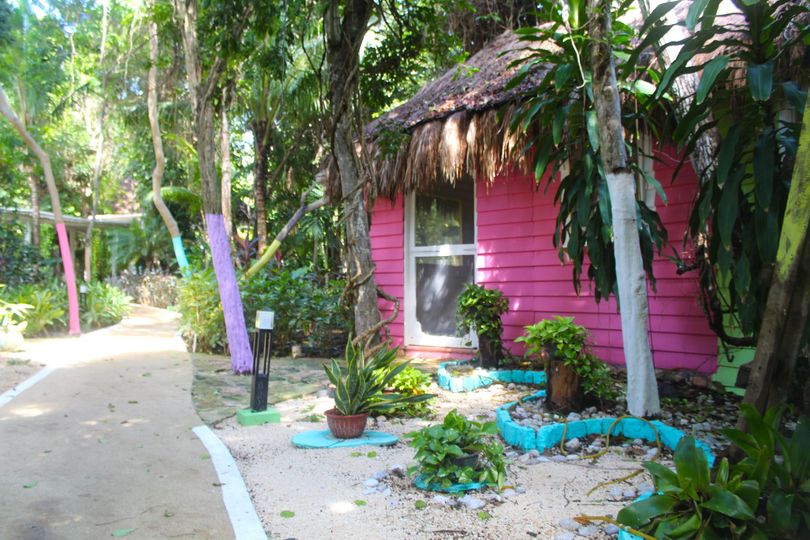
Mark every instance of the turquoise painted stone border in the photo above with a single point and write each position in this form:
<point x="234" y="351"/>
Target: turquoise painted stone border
<point x="479" y="380"/>
<point x="550" y="435"/>
<point x="420" y="483"/>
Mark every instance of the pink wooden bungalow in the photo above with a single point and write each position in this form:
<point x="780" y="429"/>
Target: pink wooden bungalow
<point x="451" y="210"/>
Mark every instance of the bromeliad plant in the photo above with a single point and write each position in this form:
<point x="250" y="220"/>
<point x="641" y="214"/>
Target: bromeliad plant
<point x="765" y="496"/>
<point x="359" y="386"/>
<point x="479" y="310"/>
<point x="688" y="504"/>
<point x="781" y="466"/>
<point x="442" y="452"/>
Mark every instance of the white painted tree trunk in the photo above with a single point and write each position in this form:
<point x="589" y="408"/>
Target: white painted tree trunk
<point x="642" y="388"/>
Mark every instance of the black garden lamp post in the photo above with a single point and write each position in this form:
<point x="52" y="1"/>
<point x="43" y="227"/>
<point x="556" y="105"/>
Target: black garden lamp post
<point x="258" y="413"/>
<point x="262" y="347"/>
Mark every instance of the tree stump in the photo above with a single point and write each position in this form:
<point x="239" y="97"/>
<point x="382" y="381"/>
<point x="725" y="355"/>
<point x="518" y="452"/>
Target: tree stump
<point x="564" y="390"/>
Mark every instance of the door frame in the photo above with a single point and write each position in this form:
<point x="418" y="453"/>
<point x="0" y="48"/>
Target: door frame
<point x="413" y="333"/>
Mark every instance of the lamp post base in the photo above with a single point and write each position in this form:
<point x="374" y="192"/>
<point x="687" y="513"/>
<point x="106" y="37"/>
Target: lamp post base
<point x="249" y="417"/>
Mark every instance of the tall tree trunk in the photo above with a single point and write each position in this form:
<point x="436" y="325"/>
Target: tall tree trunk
<point x="344" y="35"/>
<point x="227" y="166"/>
<point x="785" y="318"/>
<point x="201" y="94"/>
<point x="74" y="327"/>
<point x="99" y="164"/>
<point x="157" y="145"/>
<point x="261" y="149"/>
<point x="33" y="185"/>
<point x="642" y="389"/>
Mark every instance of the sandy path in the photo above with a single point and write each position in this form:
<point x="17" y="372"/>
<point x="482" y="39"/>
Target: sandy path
<point x="104" y="443"/>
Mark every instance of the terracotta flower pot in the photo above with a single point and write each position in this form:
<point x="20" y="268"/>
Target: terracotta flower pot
<point x="346" y="427"/>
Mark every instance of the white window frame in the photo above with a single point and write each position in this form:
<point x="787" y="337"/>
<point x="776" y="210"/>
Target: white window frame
<point x="413" y="330"/>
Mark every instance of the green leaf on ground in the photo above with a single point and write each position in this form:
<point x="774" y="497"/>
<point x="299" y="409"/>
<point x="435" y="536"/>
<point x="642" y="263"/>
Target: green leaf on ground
<point x="29" y="485"/>
<point x="356" y="454"/>
<point x="147" y="374"/>
<point x="120" y="533"/>
<point x="420" y="504"/>
<point x="287" y="514"/>
<point x="132" y="401"/>
<point x="360" y="502"/>
<point x="205" y="456"/>
<point x="482" y="515"/>
<point x="168" y="514"/>
<point x="372" y="454"/>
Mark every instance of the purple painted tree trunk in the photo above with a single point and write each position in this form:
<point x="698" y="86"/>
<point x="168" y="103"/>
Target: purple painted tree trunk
<point x="235" y="328"/>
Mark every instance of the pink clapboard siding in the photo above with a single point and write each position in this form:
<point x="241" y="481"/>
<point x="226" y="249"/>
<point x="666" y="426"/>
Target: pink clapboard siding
<point x="515" y="254"/>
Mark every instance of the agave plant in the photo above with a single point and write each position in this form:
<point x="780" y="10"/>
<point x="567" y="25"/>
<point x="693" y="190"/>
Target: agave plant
<point x="358" y="389"/>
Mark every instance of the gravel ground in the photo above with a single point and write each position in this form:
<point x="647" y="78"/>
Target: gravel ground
<point x="14" y="370"/>
<point x="362" y="492"/>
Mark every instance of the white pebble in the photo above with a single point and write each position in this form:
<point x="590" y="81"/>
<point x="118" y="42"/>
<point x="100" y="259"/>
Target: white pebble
<point x="473" y="503"/>
<point x="569" y="524"/>
<point x="588" y="530"/>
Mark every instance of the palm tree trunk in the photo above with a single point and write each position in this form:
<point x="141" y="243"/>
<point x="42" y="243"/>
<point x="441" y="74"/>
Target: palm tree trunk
<point x="261" y="148"/>
<point x="642" y="389"/>
<point x="74" y="327"/>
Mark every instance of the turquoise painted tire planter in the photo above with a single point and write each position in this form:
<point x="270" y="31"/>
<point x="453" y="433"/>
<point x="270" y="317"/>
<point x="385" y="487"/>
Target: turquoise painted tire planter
<point x="550" y="435"/>
<point x="484" y="378"/>
<point x="420" y="483"/>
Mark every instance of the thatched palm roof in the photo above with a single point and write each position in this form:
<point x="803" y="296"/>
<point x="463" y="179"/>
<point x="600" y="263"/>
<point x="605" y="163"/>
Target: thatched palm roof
<point x="452" y="126"/>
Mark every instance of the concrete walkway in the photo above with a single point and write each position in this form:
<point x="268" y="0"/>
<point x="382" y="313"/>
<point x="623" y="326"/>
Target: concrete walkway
<point x="103" y="446"/>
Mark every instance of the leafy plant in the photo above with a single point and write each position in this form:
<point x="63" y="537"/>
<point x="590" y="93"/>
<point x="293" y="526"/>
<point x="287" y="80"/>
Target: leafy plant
<point x="479" y="310"/>
<point x="20" y="261"/>
<point x="359" y="387"/>
<point x="688" y="504"/>
<point x="47" y="306"/>
<point x="751" y="96"/>
<point x="439" y="447"/>
<point x="105" y="304"/>
<point x="560" y="338"/>
<point x="12" y="316"/>
<point x="410" y="382"/>
<point x="781" y="466"/>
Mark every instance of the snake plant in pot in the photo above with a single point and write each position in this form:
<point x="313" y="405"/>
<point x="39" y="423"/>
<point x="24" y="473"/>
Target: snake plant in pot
<point x="359" y="389"/>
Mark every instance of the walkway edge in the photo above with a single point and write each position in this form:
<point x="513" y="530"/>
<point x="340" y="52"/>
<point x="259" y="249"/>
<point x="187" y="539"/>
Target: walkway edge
<point x="244" y="520"/>
<point x="8" y="395"/>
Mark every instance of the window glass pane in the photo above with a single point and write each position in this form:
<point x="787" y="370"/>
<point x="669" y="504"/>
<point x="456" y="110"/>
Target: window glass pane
<point x="446" y="215"/>
<point x="439" y="282"/>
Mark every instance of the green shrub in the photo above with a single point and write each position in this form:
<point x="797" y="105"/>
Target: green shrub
<point x="479" y="310"/>
<point x="48" y="306"/>
<point x="439" y="447"/>
<point x="104" y="305"/>
<point x="12" y="315"/>
<point x="560" y="338"/>
<point x="201" y="311"/>
<point x="20" y="262"/>
<point x="307" y="311"/>
<point x="410" y="382"/>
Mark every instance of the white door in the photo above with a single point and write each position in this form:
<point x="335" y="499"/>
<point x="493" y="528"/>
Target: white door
<point x="439" y="261"/>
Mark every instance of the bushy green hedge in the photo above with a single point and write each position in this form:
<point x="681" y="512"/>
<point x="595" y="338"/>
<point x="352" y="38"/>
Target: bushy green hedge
<point x="308" y="311"/>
